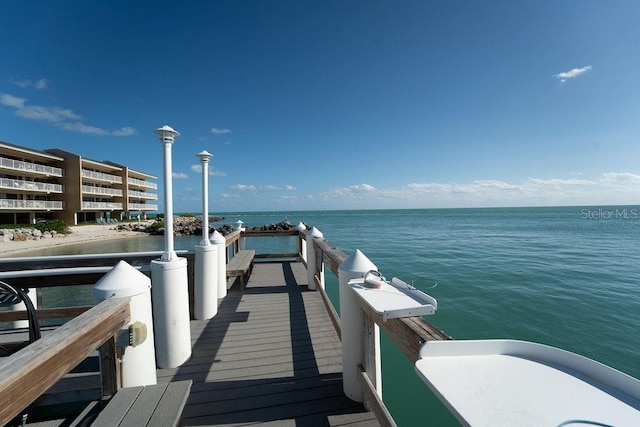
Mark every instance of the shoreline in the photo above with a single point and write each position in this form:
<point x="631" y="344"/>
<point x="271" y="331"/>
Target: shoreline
<point x="79" y="234"/>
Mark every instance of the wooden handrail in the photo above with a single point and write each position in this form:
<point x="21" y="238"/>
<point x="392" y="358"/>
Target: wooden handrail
<point x="408" y="333"/>
<point x="27" y="374"/>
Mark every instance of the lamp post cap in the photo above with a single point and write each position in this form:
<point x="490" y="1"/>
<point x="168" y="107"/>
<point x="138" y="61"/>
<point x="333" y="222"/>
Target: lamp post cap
<point x="204" y="155"/>
<point x="166" y="130"/>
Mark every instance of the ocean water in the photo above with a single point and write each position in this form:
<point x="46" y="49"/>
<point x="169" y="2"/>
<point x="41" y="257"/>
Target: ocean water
<point x="567" y="277"/>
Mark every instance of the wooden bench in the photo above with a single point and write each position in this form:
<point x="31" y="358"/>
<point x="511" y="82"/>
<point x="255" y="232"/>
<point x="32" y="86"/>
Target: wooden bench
<point x="152" y="405"/>
<point x="240" y="264"/>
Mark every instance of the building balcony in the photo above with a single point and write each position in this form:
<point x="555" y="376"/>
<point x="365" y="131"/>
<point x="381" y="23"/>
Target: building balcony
<point x="101" y="177"/>
<point x="31" y="205"/>
<point x="101" y="206"/>
<point x="31" y="169"/>
<point x="18" y="185"/>
<point x="142" y="183"/>
<point x="102" y="191"/>
<point x="142" y="207"/>
<point x="133" y="194"/>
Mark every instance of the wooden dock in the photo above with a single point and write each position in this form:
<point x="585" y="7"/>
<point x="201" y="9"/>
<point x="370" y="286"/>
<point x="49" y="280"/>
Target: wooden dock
<point x="270" y="356"/>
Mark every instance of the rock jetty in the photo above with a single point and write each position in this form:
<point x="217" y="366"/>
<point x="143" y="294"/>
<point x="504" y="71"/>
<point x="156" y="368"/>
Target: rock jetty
<point x="25" y="234"/>
<point x="190" y="226"/>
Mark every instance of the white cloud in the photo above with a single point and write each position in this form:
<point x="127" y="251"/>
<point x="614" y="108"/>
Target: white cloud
<point x="179" y="175"/>
<point x="242" y="187"/>
<point x="63" y="118"/>
<point x="217" y="131"/>
<point x="125" y="131"/>
<point x="620" y="179"/>
<point x="41" y="84"/>
<point x="47" y="114"/>
<point x="82" y="128"/>
<point x="212" y="171"/>
<point x="289" y="187"/>
<point x="363" y="187"/>
<point x="11" y="101"/>
<point x="38" y="84"/>
<point x="612" y="188"/>
<point x="573" y="73"/>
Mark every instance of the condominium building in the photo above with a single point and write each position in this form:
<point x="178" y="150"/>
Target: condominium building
<point x="56" y="184"/>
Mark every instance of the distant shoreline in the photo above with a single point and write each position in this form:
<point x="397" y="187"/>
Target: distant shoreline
<point x="79" y="234"/>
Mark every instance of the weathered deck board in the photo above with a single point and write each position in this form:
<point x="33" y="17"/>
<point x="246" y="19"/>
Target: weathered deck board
<point x="270" y="357"/>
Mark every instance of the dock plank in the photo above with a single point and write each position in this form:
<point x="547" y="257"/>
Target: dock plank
<point x="269" y="357"/>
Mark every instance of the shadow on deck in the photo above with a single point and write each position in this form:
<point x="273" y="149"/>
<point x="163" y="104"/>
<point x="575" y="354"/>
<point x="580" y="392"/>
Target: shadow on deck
<point x="270" y="356"/>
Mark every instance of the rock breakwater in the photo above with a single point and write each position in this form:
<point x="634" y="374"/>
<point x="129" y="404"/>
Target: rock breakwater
<point x="190" y="226"/>
<point x="25" y="234"/>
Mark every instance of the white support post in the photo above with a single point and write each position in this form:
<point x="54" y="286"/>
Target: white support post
<point x="205" y="304"/>
<point x="136" y="338"/>
<point x="311" y="260"/>
<point x="170" y="283"/>
<point x="302" y="249"/>
<point x="351" y="318"/>
<point x="241" y="240"/>
<point x="220" y="242"/>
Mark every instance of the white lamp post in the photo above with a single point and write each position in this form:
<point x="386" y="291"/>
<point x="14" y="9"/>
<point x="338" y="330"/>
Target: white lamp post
<point x="167" y="136"/>
<point x="169" y="280"/>
<point x="205" y="304"/>
<point x="204" y="161"/>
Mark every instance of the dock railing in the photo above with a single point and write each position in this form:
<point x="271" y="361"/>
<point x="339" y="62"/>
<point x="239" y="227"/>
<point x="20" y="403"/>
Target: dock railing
<point x="41" y="273"/>
<point x="408" y="333"/>
<point x="30" y="372"/>
<point x="316" y="253"/>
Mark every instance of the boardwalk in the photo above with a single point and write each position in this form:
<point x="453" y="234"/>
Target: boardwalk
<point x="270" y="356"/>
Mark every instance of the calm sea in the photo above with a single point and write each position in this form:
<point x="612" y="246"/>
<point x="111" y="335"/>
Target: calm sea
<point x="567" y="277"/>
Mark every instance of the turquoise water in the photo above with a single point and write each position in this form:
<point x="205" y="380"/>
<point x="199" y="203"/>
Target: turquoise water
<point x="567" y="277"/>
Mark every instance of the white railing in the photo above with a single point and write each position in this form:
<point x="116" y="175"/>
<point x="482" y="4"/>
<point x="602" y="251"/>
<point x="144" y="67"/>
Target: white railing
<point x="29" y="167"/>
<point x="102" y="205"/>
<point x="31" y="204"/>
<point x="142" y="195"/>
<point x="18" y="184"/>
<point x="142" y="207"/>
<point x="142" y="183"/>
<point x="88" y="189"/>
<point x="100" y="176"/>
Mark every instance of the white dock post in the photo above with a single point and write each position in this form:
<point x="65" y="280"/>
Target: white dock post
<point x="354" y="266"/>
<point x="219" y="241"/>
<point x="311" y="260"/>
<point x="138" y="361"/>
<point x="241" y="241"/>
<point x="205" y="298"/>
<point x="303" y="247"/>
<point x="170" y="284"/>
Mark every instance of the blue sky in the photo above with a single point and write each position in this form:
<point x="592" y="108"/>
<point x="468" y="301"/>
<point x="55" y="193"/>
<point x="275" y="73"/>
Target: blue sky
<point x="337" y="104"/>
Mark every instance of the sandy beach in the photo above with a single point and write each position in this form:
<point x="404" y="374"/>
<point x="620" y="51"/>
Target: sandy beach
<point x="79" y="234"/>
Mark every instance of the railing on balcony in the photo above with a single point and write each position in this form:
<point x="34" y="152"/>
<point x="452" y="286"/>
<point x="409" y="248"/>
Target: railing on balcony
<point x="102" y="205"/>
<point x="41" y="205"/>
<point x="142" y="195"/>
<point x="142" y="207"/>
<point x="100" y="176"/>
<point x="88" y="189"/>
<point x="19" y="184"/>
<point x="19" y="165"/>
<point x="142" y="183"/>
